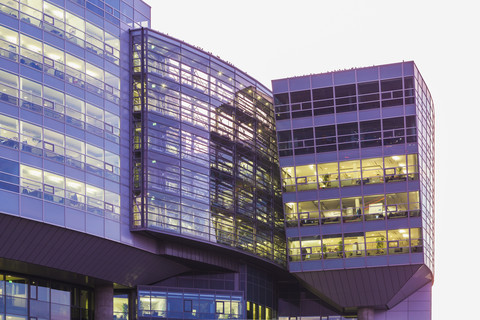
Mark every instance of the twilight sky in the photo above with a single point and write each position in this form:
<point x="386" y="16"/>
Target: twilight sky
<point x="276" y="39"/>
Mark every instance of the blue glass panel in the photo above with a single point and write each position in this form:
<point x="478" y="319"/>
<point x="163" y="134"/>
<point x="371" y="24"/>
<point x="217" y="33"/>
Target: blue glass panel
<point x="40" y="309"/>
<point x="8" y="186"/>
<point x="98" y="3"/>
<point x="60" y="311"/>
<point x="16" y="305"/>
<point x="112" y="19"/>
<point x="114" y="3"/>
<point x="9" y="166"/>
<point x="95" y="9"/>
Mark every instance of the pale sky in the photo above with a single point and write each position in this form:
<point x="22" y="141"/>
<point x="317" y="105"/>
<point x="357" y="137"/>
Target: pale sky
<point x="277" y="39"/>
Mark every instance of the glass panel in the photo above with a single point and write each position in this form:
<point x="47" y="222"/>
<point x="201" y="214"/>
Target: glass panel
<point x="15" y="286"/>
<point x="288" y="179"/>
<point x="76" y="64"/>
<point x="30" y="173"/>
<point x="374" y="207"/>
<point x="75" y="191"/>
<point x="332" y="247"/>
<point x="412" y="167"/>
<point x="397" y="205"/>
<point x="120" y="306"/>
<point x="352" y="209"/>
<point x="94" y="192"/>
<point x="95" y="152"/>
<point x="95" y="73"/>
<point x="9" y="79"/>
<point x="112" y="119"/>
<point x="350" y="173"/>
<point x="9" y="35"/>
<point x="372" y="170"/>
<point x="306" y="177"/>
<point x="395" y="168"/>
<point x="330" y="211"/>
<point x="31" y="44"/>
<point x="16" y="305"/>
<point x="31" y="87"/>
<point x="416" y="239"/>
<point x="376" y="242"/>
<point x="39" y="309"/>
<point x="60" y="296"/>
<point x="95" y="32"/>
<point x="54" y="54"/>
<point x="398" y="241"/>
<point x="112" y="80"/>
<point x="8" y="123"/>
<point x="75" y="104"/>
<point x="112" y="159"/>
<point x="308" y="213"/>
<point x="75" y="145"/>
<point x="54" y="96"/>
<point x="354" y="246"/>
<point x="53" y="11"/>
<point x="328" y="175"/>
<point x="73" y="20"/>
<point x="60" y="311"/>
<point x="54" y="180"/>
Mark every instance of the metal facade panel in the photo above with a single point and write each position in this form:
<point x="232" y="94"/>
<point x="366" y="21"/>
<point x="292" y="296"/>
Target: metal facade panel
<point x="380" y="287"/>
<point x="32" y="242"/>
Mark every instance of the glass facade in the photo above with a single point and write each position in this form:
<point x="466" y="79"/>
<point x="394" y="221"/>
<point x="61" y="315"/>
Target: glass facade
<point x="205" y="160"/>
<point x="356" y="154"/>
<point x="173" y="303"/>
<point x="373" y="133"/>
<point x="356" y="244"/>
<point x="426" y="147"/>
<point x="63" y="90"/>
<point x="24" y="298"/>
<point x="112" y="131"/>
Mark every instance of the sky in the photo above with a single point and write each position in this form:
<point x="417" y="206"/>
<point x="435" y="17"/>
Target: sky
<point x="278" y="39"/>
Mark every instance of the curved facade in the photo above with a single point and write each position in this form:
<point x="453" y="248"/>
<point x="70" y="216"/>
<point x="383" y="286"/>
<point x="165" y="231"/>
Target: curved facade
<point x="140" y="177"/>
<point x="205" y="159"/>
<point x="90" y="168"/>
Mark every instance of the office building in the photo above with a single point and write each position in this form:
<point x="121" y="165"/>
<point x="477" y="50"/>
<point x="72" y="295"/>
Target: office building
<point x="140" y="177"/>
<point x="357" y="158"/>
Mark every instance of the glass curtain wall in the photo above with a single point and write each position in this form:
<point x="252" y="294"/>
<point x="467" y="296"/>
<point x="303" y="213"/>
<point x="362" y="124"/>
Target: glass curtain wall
<point x="205" y="160"/>
<point x="23" y="298"/>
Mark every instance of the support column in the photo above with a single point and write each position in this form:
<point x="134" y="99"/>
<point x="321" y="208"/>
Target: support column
<point x="104" y="302"/>
<point x="132" y="302"/>
<point x="366" y="314"/>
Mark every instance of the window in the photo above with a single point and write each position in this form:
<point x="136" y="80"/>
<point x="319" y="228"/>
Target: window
<point x="350" y="173"/>
<point x="302" y="134"/>
<point x="187" y="305"/>
<point x="392" y="84"/>
<point x="345" y="91"/>
<point x="31" y="87"/>
<point x="219" y="307"/>
<point x="48" y="19"/>
<point x="48" y="189"/>
<point x="281" y="98"/>
<point x="322" y="93"/>
<point x="300" y="96"/>
<point x="8" y="78"/>
<point x="368" y="87"/>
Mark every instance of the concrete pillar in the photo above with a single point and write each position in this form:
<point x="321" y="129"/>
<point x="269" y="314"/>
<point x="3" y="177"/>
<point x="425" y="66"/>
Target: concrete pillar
<point x="104" y="302"/>
<point x="366" y="314"/>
